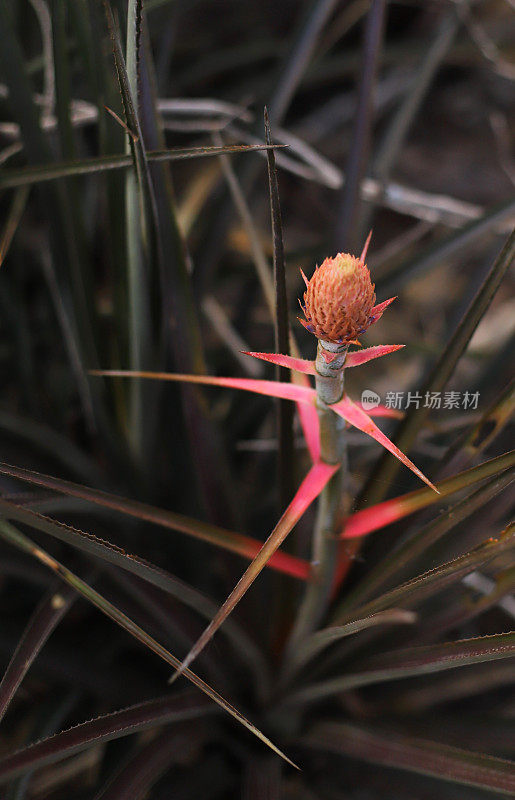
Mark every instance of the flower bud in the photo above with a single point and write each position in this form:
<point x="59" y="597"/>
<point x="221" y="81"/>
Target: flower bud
<point x="339" y="299"/>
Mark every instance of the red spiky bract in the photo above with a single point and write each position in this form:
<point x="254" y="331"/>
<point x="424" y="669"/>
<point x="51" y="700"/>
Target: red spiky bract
<point x="339" y="299"/>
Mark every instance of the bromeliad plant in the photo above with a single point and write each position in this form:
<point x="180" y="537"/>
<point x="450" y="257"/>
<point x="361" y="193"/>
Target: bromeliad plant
<point x="340" y="674"/>
<point x="338" y="306"/>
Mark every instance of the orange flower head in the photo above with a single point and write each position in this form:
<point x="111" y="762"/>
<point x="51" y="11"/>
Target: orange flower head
<point x="339" y="299"/>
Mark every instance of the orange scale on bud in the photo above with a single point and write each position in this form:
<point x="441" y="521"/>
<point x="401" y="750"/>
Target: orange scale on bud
<point x="339" y="299"/>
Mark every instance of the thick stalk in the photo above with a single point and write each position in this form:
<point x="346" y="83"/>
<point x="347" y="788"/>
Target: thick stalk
<point x="331" y="506"/>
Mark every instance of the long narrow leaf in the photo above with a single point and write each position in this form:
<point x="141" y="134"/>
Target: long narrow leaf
<point x="394" y="277"/>
<point x="65" y="258"/>
<point x="281" y="325"/>
<point x="142" y="716"/>
<point x="308" y="414"/>
<point x="413" y="662"/>
<point x="379" y="516"/>
<point x="354" y="359"/>
<point x="143" y="247"/>
<point x="310" y="488"/>
<point x="285" y="391"/>
<point x="13" y="178"/>
<point x="22" y="542"/>
<point x="358" y="357"/>
<point x="436" y="579"/>
<point x="484" y="431"/>
<point x="393" y="749"/>
<point x="235" y="542"/>
<point x="355" y="415"/>
<point x="381" y="411"/>
<point x="406" y="552"/>
<point x="324" y="638"/>
<point x="14" y="216"/>
<point x="181" y="334"/>
<point x="143" y="769"/>
<point x="349" y="213"/>
<point x="345" y="408"/>
<point x="297" y="364"/>
<point x="309" y="421"/>
<point x="443" y="369"/>
<point x="45" y="619"/>
<point x="145" y="570"/>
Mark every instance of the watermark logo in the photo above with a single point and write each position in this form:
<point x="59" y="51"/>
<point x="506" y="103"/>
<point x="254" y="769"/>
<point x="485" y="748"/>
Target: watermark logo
<point x="403" y="401"/>
<point x="369" y="399"/>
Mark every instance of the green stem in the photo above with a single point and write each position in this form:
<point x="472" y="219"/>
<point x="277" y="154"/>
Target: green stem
<point x="331" y="506"/>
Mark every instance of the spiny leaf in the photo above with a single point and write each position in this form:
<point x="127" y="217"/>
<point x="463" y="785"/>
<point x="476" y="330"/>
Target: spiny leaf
<point x="391" y="748"/>
<point x="467" y="607"/>
<point x="436" y="579"/>
<point x="355" y="415"/>
<point x="162" y="710"/>
<point x="310" y="488"/>
<point x="382" y="514"/>
<point x="321" y="639"/>
<point x="22" y="542"/>
<point x="377" y="311"/>
<point x="345" y="408"/>
<point x="403" y="554"/>
<point x="307" y="414"/>
<point x="235" y="542"/>
<point x="99" y="548"/>
<point x="413" y="662"/>
<point x="449" y="687"/>
<point x="306" y="367"/>
<point x="298" y="364"/>
<point x="358" y="357"/>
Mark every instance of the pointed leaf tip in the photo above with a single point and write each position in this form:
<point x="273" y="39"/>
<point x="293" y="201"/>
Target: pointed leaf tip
<point x="365" y="248"/>
<point x="284" y="391"/>
<point x="303" y="395"/>
<point x="383" y="411"/>
<point x="377" y="311"/>
<point x="359" y="357"/>
<point x="297" y="364"/>
<point x="356" y="416"/>
<point x="317" y="477"/>
<point x="306" y="325"/>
